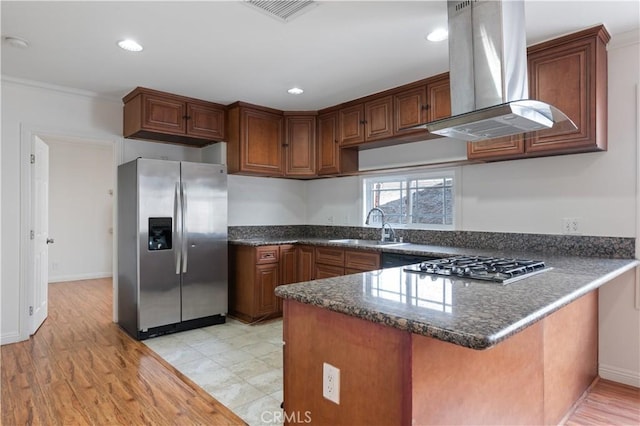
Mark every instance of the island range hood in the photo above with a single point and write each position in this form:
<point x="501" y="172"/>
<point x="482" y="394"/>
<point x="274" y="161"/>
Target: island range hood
<point x="488" y="75"/>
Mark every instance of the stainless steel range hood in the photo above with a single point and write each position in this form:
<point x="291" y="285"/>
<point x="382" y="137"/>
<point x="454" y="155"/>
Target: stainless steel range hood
<point x="488" y="75"/>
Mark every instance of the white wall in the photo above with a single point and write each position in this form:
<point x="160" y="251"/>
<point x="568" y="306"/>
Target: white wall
<point x="81" y="184"/>
<point x="31" y="108"/>
<point x="46" y="111"/>
<point x="266" y="201"/>
<point x="619" y="326"/>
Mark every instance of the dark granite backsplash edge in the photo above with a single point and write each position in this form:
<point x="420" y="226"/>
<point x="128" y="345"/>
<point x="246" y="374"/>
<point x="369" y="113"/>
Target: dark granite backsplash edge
<point x="570" y="245"/>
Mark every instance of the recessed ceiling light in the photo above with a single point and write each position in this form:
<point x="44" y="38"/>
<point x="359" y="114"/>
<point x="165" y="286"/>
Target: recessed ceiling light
<point x="18" y="42"/>
<point x="129" y="45"/>
<point x="295" y="91"/>
<point x="439" y="34"/>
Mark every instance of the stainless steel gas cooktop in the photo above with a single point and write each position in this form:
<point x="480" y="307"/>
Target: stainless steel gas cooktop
<point x="495" y="269"/>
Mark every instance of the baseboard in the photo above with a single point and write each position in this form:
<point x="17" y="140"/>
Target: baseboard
<point x="620" y="375"/>
<point x="11" y="337"/>
<point x="78" y="277"/>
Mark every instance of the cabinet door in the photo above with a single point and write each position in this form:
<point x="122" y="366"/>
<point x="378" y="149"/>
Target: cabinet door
<point x="300" y="146"/>
<point x="572" y="76"/>
<point x="205" y="121"/>
<point x="378" y="118"/>
<point x="330" y="256"/>
<point x="164" y="114"/>
<point x="305" y="263"/>
<point x="352" y="125"/>
<point x="288" y="264"/>
<point x="495" y="149"/>
<point x="288" y="268"/>
<point x="410" y="107"/>
<point x="328" y="144"/>
<point x="261" y="142"/>
<point x="328" y="271"/>
<point x="438" y="99"/>
<point x="267" y="279"/>
<point x="331" y="158"/>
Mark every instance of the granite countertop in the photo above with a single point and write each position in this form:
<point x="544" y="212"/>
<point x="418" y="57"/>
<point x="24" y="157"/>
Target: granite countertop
<point x="470" y="313"/>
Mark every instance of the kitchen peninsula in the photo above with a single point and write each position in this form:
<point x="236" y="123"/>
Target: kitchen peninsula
<point x="418" y="349"/>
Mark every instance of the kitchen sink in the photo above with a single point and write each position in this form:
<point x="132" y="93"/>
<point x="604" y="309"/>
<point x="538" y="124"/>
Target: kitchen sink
<point x="366" y="242"/>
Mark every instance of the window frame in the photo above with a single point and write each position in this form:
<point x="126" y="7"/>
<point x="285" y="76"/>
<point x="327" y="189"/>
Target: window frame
<point x="453" y="173"/>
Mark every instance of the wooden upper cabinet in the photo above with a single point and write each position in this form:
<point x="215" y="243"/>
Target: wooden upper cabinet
<point x="163" y="114"/>
<point x="438" y="97"/>
<point x="494" y="149"/>
<point x="421" y="104"/>
<point x="570" y="73"/>
<point x="164" y="117"/>
<point x="255" y="139"/>
<point x="410" y="109"/>
<point x="300" y="146"/>
<point x="369" y="121"/>
<point x="352" y="125"/>
<point x="378" y="118"/>
<point x="205" y="121"/>
<point x="332" y="159"/>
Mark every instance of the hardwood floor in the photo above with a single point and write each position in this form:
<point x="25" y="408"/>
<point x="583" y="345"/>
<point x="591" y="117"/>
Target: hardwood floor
<point x="608" y="403"/>
<point x="80" y="368"/>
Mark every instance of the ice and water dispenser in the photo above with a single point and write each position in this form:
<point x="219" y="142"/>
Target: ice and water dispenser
<point x="160" y="233"/>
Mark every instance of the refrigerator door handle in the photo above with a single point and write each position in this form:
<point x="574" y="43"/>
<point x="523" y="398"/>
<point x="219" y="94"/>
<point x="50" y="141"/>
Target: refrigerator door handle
<point x="177" y="224"/>
<point x="185" y="231"/>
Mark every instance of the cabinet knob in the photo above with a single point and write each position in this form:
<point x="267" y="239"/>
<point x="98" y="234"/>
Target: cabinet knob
<point x="285" y="145"/>
<point x="426" y="107"/>
<point x="186" y="117"/>
<point x="363" y="121"/>
<point x="337" y="141"/>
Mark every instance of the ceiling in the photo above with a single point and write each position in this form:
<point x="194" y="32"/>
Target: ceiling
<point x="224" y="51"/>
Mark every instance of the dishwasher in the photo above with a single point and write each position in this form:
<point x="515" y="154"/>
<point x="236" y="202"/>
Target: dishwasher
<point x="392" y="260"/>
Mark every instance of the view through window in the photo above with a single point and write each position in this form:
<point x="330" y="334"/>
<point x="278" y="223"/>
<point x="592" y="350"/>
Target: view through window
<point x="423" y="201"/>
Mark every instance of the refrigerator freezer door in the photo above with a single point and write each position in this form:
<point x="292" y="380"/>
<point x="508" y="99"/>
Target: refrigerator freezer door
<point x="159" y="285"/>
<point x="204" y="267"/>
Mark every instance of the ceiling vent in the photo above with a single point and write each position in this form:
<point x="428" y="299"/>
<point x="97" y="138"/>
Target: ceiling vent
<point x="283" y="11"/>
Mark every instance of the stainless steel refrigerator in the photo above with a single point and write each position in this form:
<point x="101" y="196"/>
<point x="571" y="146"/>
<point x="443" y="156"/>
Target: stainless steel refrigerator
<point x="172" y="246"/>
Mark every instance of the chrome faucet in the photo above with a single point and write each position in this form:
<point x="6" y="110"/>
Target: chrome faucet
<point x="383" y="234"/>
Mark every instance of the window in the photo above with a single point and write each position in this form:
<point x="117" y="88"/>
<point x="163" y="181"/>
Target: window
<point x="426" y="200"/>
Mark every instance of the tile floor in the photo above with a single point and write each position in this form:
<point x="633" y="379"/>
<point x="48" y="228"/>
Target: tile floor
<point x="239" y="365"/>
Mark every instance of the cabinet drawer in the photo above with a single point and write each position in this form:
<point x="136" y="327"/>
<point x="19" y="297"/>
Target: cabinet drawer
<point x="267" y="254"/>
<point x="362" y="260"/>
<point x="330" y="256"/>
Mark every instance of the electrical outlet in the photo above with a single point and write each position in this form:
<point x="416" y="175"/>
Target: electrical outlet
<point x="571" y="225"/>
<point x="331" y="383"/>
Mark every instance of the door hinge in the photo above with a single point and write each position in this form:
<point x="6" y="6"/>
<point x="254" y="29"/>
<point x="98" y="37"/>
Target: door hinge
<point x="33" y="158"/>
<point x="30" y="311"/>
<point x="32" y="234"/>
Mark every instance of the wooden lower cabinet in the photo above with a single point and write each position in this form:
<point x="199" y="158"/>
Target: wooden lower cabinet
<point x="255" y="273"/>
<point x="335" y="262"/>
<point x="305" y="257"/>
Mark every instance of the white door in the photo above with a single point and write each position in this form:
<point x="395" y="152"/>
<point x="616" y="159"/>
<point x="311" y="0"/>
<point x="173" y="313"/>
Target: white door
<point x="40" y="194"/>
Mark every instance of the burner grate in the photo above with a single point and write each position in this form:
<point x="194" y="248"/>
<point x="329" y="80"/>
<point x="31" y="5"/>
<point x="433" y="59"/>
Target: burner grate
<point x="502" y="270"/>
